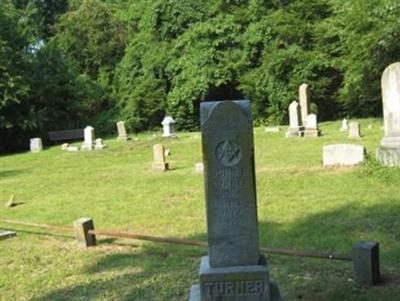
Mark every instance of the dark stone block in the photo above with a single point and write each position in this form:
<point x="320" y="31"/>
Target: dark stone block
<point x="81" y="232"/>
<point x="366" y="262"/>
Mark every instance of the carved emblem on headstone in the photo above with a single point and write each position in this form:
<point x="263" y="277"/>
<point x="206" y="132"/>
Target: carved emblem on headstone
<point x="228" y="153"/>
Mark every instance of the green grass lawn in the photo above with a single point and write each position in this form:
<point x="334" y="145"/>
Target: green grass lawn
<point x="301" y="205"/>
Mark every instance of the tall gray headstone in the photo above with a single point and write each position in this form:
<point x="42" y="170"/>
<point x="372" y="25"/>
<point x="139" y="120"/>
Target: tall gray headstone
<point x="389" y="152"/>
<point x="296" y="128"/>
<point x="304" y="99"/>
<point x="233" y="269"/>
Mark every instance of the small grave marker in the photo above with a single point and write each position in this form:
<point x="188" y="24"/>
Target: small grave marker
<point x="36" y="145"/>
<point x="159" y="163"/>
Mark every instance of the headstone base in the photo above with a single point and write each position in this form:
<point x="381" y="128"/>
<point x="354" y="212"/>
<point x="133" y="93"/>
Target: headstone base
<point x="238" y="283"/>
<point x="312" y="133"/>
<point x="159" y="166"/>
<point x="169" y="136"/>
<point x="86" y="147"/>
<point x="391" y="142"/>
<point x="123" y="138"/>
<point x="388" y="156"/>
<point x="295" y="132"/>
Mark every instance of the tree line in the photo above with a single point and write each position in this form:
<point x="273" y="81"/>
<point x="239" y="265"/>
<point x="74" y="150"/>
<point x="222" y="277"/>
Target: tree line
<point x="68" y="63"/>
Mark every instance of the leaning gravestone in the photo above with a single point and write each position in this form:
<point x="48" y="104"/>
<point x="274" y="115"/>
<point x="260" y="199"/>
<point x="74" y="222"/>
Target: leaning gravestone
<point x="389" y="151"/>
<point x="304" y="98"/>
<point x="88" y="140"/>
<point x="295" y="125"/>
<point x="234" y="269"/>
<point x="312" y="126"/>
<point x="36" y="145"/>
<point x="122" y="135"/>
<point x="159" y="163"/>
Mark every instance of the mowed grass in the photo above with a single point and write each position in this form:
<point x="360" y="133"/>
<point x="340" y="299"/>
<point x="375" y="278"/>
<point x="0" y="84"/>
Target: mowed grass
<point x="301" y="206"/>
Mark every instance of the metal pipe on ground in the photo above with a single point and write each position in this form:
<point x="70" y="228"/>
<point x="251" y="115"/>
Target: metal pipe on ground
<point x="365" y="255"/>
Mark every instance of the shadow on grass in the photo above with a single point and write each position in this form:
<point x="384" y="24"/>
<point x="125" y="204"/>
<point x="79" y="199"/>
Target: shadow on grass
<point x="166" y="272"/>
<point x="11" y="173"/>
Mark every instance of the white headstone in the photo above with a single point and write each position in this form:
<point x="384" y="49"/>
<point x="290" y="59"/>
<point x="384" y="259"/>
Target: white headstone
<point x="312" y="126"/>
<point x="294" y="115"/>
<point x="304" y="102"/>
<point x="311" y="121"/>
<point x="343" y="154"/>
<point x="88" y="142"/>
<point x="354" y="131"/>
<point x="391" y="99"/>
<point x="122" y="135"/>
<point x="345" y="125"/>
<point x="99" y="144"/>
<point x="36" y="145"/>
<point x="295" y="124"/>
<point x="168" y="124"/>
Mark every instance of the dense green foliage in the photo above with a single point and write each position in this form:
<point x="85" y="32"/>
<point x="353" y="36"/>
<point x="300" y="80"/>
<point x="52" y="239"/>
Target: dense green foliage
<point x="65" y="64"/>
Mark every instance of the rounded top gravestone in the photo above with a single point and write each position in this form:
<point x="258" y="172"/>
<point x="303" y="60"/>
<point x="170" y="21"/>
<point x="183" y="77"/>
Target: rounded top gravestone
<point x="228" y="156"/>
<point x="391" y="99"/>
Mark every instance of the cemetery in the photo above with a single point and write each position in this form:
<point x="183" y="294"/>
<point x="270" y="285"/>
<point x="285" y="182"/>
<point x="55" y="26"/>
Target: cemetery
<point x="199" y="150"/>
<point x="303" y="208"/>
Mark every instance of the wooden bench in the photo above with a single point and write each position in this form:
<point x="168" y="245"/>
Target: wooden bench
<point x="66" y="135"/>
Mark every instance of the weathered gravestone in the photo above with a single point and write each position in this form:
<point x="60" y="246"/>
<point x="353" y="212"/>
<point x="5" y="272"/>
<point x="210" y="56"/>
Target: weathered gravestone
<point x="345" y="125"/>
<point x="304" y="99"/>
<point x="88" y="138"/>
<point x="99" y="145"/>
<point x="354" y="131"/>
<point x="389" y="151"/>
<point x="122" y="134"/>
<point x="343" y="154"/>
<point x="168" y="124"/>
<point x="234" y="269"/>
<point x="159" y="162"/>
<point x="36" y="145"/>
<point x="311" y="126"/>
<point x="295" y="125"/>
